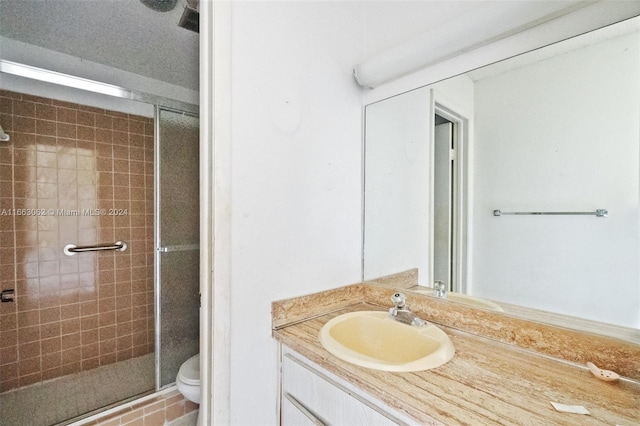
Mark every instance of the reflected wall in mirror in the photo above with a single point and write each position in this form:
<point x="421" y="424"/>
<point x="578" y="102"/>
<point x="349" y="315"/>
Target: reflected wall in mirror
<point x="554" y="130"/>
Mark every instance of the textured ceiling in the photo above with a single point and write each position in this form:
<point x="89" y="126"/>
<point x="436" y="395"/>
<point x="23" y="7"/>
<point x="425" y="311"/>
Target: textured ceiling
<point x="124" y="34"/>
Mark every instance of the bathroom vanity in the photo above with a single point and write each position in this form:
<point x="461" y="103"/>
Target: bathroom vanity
<point x="312" y="394"/>
<point x="486" y="382"/>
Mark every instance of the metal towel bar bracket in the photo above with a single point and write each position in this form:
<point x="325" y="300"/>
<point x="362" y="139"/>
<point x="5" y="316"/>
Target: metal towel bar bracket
<point x="598" y="213"/>
<point x="72" y="249"/>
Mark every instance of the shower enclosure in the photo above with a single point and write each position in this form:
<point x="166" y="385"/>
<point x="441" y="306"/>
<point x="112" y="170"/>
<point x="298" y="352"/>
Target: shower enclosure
<point x="98" y="250"/>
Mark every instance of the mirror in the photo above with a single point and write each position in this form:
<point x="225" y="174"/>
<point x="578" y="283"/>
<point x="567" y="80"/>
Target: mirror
<point x="556" y="130"/>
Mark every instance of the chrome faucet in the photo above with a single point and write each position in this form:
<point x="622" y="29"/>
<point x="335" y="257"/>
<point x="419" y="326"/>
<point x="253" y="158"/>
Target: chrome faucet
<point x="440" y="289"/>
<point x="402" y="313"/>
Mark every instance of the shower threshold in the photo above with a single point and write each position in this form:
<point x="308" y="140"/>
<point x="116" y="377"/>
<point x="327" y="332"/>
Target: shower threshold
<point x="68" y="398"/>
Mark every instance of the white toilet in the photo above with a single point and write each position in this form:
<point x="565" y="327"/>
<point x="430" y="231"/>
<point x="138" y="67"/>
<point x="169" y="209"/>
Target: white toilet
<point x="188" y="380"/>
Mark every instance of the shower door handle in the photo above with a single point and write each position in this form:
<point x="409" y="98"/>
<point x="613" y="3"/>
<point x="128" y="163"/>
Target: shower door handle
<point x="185" y="247"/>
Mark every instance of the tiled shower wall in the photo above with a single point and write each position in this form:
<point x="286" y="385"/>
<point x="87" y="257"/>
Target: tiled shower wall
<point x="73" y="174"/>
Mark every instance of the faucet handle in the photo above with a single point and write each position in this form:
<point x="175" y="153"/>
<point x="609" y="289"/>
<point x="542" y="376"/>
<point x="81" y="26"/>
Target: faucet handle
<point x="440" y="289"/>
<point x="399" y="299"/>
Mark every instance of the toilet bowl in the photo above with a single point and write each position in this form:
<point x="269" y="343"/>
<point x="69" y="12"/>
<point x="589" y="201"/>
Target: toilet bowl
<point x="188" y="380"/>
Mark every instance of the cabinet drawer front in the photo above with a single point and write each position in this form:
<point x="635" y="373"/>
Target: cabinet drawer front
<point x="325" y="400"/>
<point x="296" y="413"/>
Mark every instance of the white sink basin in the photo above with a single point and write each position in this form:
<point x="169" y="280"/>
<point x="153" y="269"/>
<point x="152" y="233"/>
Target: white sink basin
<point x="375" y="340"/>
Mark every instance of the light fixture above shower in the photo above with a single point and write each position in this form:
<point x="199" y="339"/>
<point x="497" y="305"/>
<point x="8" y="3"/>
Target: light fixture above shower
<point x="3" y="136"/>
<point x="41" y="74"/>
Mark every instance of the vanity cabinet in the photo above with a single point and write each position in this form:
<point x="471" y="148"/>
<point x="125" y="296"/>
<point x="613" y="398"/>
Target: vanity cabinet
<point x="310" y="395"/>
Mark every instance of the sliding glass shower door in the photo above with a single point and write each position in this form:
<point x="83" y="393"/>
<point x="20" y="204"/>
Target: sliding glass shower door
<point x="177" y="241"/>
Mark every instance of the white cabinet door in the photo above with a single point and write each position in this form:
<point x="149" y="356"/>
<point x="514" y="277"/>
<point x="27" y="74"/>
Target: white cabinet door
<point x="311" y="397"/>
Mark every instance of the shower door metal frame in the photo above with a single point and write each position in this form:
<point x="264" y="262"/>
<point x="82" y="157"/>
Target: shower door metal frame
<point x="158" y="249"/>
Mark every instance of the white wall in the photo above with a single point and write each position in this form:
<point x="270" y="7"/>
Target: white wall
<point x="551" y="161"/>
<point x="296" y="175"/>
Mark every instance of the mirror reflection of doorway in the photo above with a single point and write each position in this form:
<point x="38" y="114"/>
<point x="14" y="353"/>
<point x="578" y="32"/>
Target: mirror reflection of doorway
<point x="444" y="201"/>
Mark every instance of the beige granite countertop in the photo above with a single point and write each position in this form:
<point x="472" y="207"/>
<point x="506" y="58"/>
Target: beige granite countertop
<point x="486" y="383"/>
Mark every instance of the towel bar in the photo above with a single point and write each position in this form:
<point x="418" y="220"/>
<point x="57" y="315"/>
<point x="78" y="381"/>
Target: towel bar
<point x="72" y="249"/>
<point x="598" y="213"/>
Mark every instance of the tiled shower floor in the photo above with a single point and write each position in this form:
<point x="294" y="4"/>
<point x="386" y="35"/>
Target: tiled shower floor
<point x="63" y="398"/>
